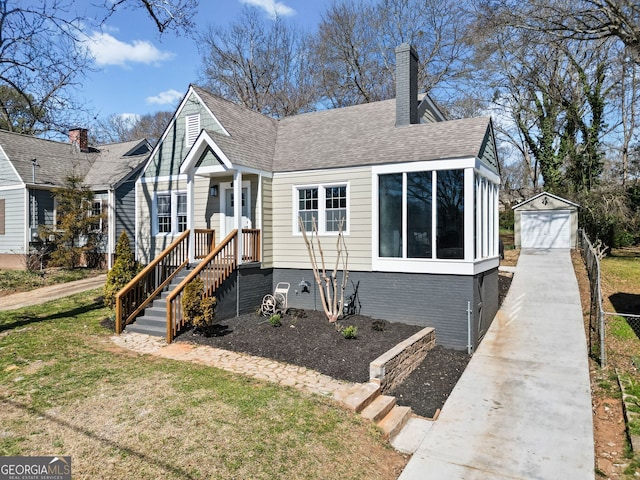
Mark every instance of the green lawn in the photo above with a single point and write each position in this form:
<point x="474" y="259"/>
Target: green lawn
<point x="12" y="281"/>
<point x="65" y="389"/>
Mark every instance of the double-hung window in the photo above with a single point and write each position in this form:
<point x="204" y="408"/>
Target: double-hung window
<point x="171" y="212"/>
<point x="96" y="212"/>
<point x="327" y="205"/>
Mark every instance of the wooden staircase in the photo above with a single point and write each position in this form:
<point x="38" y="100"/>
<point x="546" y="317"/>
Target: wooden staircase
<point x="154" y="319"/>
<point x="366" y="399"/>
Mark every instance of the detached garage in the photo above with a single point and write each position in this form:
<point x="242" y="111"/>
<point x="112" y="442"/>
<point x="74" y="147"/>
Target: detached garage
<point x="546" y="221"/>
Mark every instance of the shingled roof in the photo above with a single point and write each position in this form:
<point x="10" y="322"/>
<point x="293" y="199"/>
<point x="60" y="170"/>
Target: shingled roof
<point x="99" y="169"/>
<point x="352" y="136"/>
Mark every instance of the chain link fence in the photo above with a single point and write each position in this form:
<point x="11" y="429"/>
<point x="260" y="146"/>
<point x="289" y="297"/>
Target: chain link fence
<point x="622" y="324"/>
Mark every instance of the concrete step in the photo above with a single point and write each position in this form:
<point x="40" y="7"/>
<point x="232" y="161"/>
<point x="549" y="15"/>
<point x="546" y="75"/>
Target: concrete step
<point x="155" y="312"/>
<point x="395" y="420"/>
<point x="362" y="397"/>
<point x="379" y="408"/>
<point x="148" y="330"/>
<point x="412" y="434"/>
<point x="151" y="321"/>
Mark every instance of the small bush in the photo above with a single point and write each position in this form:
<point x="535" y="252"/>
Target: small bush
<point x="196" y="308"/>
<point x="275" y="320"/>
<point x="379" y="325"/>
<point x="350" y="332"/>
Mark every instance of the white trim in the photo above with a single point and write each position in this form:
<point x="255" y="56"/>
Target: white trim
<point x="468" y="184"/>
<point x="111" y="227"/>
<point x="173" y="194"/>
<point x="564" y="200"/>
<point x="322" y="225"/>
<point x="22" y="186"/>
<point x="483" y="170"/>
<point x="427" y="165"/>
<point x="199" y="146"/>
<point x="166" y="178"/>
<point x="428" y="265"/>
<point x="222" y="188"/>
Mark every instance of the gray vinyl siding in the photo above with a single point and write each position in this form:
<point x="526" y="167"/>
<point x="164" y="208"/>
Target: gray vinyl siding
<point x="8" y="174"/>
<point x="13" y="240"/>
<point x="439" y="301"/>
<point x="289" y="249"/>
<point x="172" y="150"/>
<point x="125" y="209"/>
<point x="488" y="152"/>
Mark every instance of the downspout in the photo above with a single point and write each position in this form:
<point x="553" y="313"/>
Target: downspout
<point x="469" y="345"/>
<point x="111" y="227"/>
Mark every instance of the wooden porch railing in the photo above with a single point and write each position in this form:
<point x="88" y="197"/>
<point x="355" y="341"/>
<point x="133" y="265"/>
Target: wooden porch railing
<point x="213" y="270"/>
<point x="250" y="244"/>
<point x="143" y="288"/>
<point x="205" y="242"/>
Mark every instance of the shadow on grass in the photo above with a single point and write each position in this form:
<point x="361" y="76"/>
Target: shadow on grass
<point x="629" y="304"/>
<point x="28" y="318"/>
<point x="179" y="472"/>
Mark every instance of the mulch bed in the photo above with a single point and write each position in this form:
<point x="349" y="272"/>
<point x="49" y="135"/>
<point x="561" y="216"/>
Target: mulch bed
<point x="307" y="339"/>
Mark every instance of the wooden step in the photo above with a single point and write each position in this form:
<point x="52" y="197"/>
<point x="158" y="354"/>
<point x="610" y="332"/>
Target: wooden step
<point x="362" y="397"/>
<point x="379" y="408"/>
<point x="395" y="420"/>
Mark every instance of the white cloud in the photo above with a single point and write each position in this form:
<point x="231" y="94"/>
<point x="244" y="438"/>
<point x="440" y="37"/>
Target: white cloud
<point x="108" y="50"/>
<point x="168" y="97"/>
<point x="129" y="118"/>
<point x="272" y="7"/>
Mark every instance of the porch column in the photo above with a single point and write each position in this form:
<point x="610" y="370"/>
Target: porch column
<point x="111" y="227"/>
<point x="190" y="209"/>
<point x="237" y="211"/>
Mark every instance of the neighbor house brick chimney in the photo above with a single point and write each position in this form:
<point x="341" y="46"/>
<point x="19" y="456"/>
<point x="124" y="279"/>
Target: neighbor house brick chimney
<point x="406" y="85"/>
<point x="79" y="137"/>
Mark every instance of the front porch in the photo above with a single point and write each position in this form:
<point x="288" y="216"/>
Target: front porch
<point x="154" y="296"/>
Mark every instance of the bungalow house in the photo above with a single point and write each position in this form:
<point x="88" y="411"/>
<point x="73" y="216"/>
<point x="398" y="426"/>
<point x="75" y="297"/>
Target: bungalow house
<point x="31" y="168"/>
<point x="418" y="195"/>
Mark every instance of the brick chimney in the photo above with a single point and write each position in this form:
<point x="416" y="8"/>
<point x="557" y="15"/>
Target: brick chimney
<point x="79" y="137"/>
<point x="406" y="85"/>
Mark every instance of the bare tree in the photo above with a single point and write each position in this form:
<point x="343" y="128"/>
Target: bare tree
<point x="331" y="292"/>
<point x="118" y="128"/>
<point x="261" y="64"/>
<point x="584" y="20"/>
<point x="176" y="15"/>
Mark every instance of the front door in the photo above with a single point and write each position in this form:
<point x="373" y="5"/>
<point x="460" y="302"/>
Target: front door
<point x="229" y="206"/>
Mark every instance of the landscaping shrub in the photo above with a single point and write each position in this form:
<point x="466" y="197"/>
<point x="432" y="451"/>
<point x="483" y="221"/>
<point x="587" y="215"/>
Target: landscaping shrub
<point x="198" y="309"/>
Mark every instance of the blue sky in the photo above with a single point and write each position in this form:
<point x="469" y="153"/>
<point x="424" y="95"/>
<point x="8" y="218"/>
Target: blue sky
<point x="139" y="71"/>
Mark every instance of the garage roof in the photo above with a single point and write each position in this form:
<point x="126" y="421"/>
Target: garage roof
<point x="568" y="202"/>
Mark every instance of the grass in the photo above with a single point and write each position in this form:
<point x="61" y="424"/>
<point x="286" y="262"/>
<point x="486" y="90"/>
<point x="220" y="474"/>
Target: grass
<point x="14" y="281"/>
<point x="65" y="389"/>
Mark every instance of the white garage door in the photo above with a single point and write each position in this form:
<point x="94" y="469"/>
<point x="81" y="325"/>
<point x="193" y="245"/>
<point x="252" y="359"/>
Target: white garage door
<point x="545" y="229"/>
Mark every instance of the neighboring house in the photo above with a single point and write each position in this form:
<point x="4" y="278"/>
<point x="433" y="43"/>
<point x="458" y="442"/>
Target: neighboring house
<point x="546" y="221"/>
<point x="419" y="196"/>
<point x="31" y="168"/>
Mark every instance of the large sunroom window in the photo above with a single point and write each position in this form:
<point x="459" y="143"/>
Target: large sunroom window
<point x="421" y="214"/>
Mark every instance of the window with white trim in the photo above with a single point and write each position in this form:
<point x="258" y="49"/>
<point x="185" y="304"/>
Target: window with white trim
<point x="171" y="212"/>
<point x="96" y="211"/>
<point x="421" y="214"/>
<point x="192" y="129"/>
<point x="327" y="204"/>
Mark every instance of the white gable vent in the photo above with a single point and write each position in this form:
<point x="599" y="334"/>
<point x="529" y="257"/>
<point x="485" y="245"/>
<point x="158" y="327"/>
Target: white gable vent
<point x="192" y="128"/>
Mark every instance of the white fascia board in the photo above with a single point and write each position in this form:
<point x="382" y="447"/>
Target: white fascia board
<point x="203" y="141"/>
<point x="13" y="187"/>
<point x="564" y="200"/>
<point x="12" y="166"/>
<point x="166" y="178"/>
<point x="431" y="266"/>
<point x="426" y="165"/>
<point x="489" y="174"/>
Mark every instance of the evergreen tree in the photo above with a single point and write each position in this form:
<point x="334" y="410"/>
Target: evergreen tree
<point x="124" y="269"/>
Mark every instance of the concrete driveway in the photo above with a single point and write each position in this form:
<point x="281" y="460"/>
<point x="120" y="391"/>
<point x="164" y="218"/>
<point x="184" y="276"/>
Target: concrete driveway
<point x="522" y="408"/>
